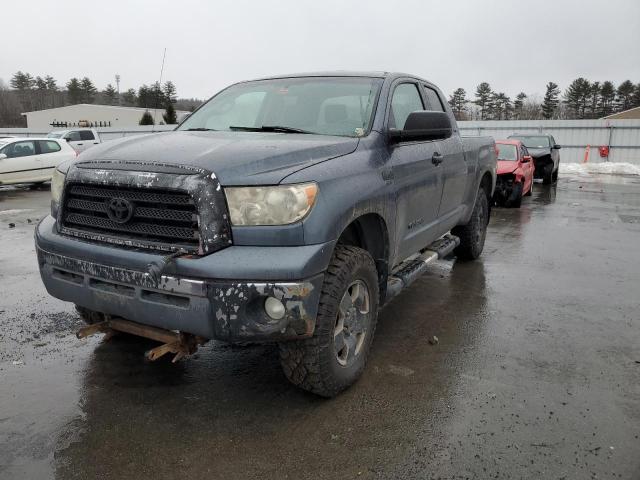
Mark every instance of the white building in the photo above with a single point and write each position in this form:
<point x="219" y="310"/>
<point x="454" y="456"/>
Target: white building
<point x="84" y="114"/>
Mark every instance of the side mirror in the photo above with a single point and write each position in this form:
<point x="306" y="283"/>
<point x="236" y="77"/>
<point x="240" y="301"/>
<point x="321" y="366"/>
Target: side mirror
<point x="3" y="156"/>
<point x="557" y="147"/>
<point x="68" y="139"/>
<point x="526" y="159"/>
<point x="423" y="125"/>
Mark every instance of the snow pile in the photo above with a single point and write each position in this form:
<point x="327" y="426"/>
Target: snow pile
<point x="607" y="167"/>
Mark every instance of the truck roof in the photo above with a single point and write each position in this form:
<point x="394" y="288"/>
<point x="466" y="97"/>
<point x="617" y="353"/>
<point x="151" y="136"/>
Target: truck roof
<point x="343" y="73"/>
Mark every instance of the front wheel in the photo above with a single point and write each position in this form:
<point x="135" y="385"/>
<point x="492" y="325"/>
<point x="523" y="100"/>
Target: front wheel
<point x="516" y="196"/>
<point x="473" y="234"/>
<point x="335" y="357"/>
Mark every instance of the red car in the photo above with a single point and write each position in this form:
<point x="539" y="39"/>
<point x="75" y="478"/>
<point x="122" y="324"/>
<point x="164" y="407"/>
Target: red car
<point x="515" y="173"/>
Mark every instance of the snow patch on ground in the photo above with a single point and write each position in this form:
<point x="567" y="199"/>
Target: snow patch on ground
<point x="607" y="168"/>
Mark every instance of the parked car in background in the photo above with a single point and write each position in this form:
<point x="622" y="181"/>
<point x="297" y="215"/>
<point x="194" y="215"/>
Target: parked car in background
<point x="282" y="210"/>
<point x="515" y="173"/>
<point x="545" y="153"/>
<point x="31" y="160"/>
<point x="79" y="138"/>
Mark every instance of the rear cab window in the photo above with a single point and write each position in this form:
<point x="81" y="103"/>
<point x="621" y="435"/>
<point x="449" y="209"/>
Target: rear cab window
<point x="86" y="135"/>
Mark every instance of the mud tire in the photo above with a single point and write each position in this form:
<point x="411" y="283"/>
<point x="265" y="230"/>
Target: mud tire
<point x="311" y="364"/>
<point x="473" y="234"/>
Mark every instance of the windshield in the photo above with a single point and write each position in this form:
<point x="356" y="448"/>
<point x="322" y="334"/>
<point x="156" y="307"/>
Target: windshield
<point x="534" y="142"/>
<point x="56" y="134"/>
<point x="325" y="106"/>
<point x="507" y="152"/>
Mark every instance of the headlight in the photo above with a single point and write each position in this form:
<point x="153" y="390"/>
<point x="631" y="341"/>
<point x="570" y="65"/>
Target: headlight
<point x="57" y="184"/>
<point x="279" y="205"/>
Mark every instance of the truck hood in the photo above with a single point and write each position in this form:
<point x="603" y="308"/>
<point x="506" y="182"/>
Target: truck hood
<point x="237" y="158"/>
<point x="505" y="166"/>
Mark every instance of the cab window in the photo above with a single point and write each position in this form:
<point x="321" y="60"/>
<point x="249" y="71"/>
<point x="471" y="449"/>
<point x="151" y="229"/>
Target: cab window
<point x="406" y="99"/>
<point x="433" y="100"/>
<point x="86" y="135"/>
<point x="73" y="136"/>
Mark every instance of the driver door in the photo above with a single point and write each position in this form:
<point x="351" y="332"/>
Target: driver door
<point x="417" y="179"/>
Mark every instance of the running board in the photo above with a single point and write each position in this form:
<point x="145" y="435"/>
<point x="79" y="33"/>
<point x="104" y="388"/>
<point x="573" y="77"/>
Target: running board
<point x="411" y="270"/>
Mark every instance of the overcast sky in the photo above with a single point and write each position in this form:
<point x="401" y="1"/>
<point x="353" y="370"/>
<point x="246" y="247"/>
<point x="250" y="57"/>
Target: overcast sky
<point x="514" y="45"/>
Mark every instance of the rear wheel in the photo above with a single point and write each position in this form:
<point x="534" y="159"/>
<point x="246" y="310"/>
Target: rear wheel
<point x="335" y="357"/>
<point x="473" y="234"/>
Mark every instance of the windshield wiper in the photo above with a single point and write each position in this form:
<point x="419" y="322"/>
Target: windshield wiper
<point x="200" y="129"/>
<point x="270" y="128"/>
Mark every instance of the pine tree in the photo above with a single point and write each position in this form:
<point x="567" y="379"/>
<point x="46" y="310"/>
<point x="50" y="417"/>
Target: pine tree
<point x="625" y="95"/>
<point x="88" y="90"/>
<point x="74" y="91"/>
<point x="110" y="95"/>
<point x="594" y="100"/>
<point x="550" y="101"/>
<point x="500" y="106"/>
<point x="157" y="95"/>
<point x="483" y="99"/>
<point x="22" y="82"/>
<point x="146" y="119"/>
<point x="518" y="105"/>
<point x="145" y="97"/>
<point x="636" y="96"/>
<point x="607" y="99"/>
<point x="458" y="102"/>
<point x="169" y="115"/>
<point x="129" y="97"/>
<point x="169" y="91"/>
<point x="51" y="83"/>
<point x="577" y="97"/>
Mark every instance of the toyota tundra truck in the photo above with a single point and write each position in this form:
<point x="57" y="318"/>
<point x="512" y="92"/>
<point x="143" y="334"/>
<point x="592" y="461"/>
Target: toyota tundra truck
<point x="287" y="210"/>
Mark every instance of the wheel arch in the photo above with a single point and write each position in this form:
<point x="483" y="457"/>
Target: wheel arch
<point x="370" y="232"/>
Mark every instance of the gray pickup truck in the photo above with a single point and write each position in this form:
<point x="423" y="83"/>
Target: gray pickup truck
<point x="286" y="209"/>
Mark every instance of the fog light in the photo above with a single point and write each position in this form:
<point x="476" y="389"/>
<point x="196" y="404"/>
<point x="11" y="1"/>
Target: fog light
<point x="274" y="308"/>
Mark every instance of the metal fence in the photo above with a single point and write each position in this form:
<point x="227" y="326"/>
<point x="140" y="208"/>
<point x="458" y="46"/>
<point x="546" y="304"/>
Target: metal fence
<point x="621" y="136"/>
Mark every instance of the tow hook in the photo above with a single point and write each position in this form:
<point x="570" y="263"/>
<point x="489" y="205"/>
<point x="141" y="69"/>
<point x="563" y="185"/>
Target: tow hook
<point x="156" y="268"/>
<point x="178" y="343"/>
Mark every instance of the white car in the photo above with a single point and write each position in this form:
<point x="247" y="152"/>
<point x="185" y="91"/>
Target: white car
<point x="79" y="138"/>
<point x="31" y="160"/>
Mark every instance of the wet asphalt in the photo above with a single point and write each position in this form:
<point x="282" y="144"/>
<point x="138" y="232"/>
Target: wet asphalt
<point x="536" y="373"/>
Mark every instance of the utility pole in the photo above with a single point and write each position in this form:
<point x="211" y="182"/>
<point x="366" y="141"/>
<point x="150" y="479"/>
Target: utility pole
<point x="118" y="86"/>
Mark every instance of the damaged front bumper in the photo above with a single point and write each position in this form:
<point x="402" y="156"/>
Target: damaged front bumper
<point x="508" y="190"/>
<point x="219" y="296"/>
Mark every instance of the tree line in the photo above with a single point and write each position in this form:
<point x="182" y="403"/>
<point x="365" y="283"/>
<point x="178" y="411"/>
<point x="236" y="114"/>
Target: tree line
<point x="27" y="93"/>
<point x="582" y="99"/>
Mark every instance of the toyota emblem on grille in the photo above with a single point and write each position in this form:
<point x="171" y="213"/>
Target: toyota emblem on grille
<point x="119" y="210"/>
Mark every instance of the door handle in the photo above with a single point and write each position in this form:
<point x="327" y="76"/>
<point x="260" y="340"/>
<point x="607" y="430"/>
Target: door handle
<point x="437" y="158"/>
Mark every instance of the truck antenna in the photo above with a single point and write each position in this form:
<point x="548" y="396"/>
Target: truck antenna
<point x="155" y="112"/>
